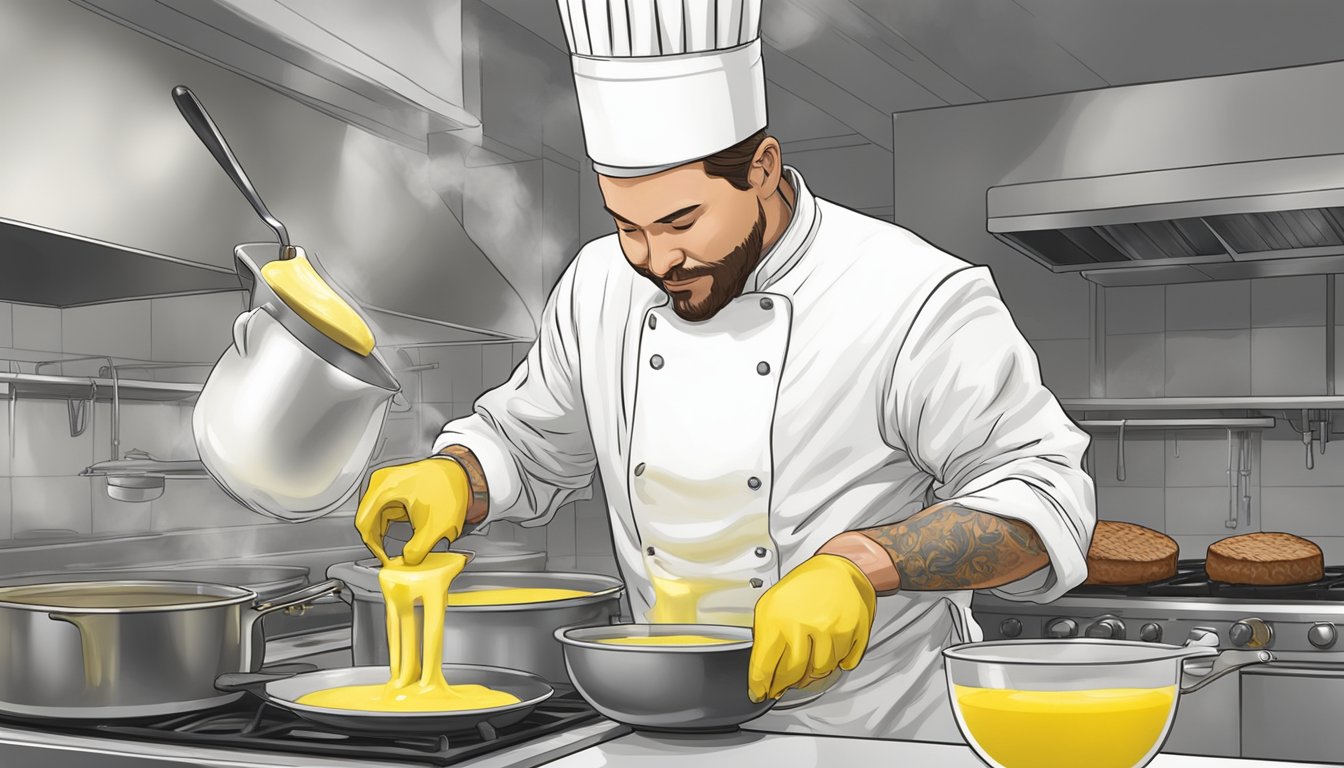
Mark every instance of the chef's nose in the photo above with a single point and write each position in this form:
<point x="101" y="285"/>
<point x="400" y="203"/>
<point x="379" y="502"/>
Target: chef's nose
<point x="663" y="258"/>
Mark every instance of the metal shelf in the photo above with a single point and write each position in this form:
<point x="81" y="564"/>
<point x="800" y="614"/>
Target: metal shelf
<point x="1177" y="424"/>
<point x="82" y="387"/>
<point x="1249" y="403"/>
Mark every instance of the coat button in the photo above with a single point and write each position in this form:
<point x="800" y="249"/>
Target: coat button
<point x="763" y="368"/>
<point x="649" y="551"/>
<point x="761" y="552"/>
<point x="656" y="362"/>
<point x="756" y="583"/>
<point x="639" y="469"/>
<point x="653" y="321"/>
<point x="753" y="483"/>
<point x="767" y="303"/>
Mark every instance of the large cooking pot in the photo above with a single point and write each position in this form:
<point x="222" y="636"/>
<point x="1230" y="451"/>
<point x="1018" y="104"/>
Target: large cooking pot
<point x="518" y="636"/>
<point x="1062" y="703"/>
<point x="288" y="419"/>
<point x="120" y="649"/>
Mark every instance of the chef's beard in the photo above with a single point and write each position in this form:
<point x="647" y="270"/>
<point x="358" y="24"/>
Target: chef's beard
<point x="727" y="277"/>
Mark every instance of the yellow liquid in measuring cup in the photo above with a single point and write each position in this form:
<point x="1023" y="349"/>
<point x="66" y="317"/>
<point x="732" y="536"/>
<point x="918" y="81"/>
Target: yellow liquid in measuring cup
<point x="1104" y="728"/>
<point x="417" y="683"/>
<point x="667" y="640"/>
<point x="513" y="596"/>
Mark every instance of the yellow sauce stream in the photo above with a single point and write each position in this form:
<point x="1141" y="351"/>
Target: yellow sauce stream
<point x="1113" y="727"/>
<point x="667" y="640"/>
<point x="513" y="595"/>
<point x="417" y="683"/>
<point x="304" y="291"/>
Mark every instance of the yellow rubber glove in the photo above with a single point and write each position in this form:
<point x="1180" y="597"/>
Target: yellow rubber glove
<point x="816" y="618"/>
<point x="432" y="494"/>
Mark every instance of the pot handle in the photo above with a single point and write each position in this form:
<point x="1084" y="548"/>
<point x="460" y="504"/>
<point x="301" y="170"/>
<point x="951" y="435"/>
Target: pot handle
<point x="240" y="328"/>
<point x="243" y="681"/>
<point x="1227" y="661"/>
<point x="299" y="597"/>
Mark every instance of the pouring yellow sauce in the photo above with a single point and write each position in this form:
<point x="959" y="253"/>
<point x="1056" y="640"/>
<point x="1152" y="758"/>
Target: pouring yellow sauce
<point x="513" y="595"/>
<point x="1114" y="727"/>
<point x="667" y="640"/>
<point x="417" y="683"/>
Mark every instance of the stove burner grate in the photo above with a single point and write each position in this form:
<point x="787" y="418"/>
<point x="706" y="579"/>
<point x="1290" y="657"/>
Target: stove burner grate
<point x="1191" y="581"/>
<point x="247" y="724"/>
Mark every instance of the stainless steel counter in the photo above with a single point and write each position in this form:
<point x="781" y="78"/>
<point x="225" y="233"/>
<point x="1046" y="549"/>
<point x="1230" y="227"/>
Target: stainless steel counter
<point x="597" y="745"/>
<point x="775" y="750"/>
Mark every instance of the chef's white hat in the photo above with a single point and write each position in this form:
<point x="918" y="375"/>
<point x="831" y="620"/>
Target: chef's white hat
<point x="664" y="82"/>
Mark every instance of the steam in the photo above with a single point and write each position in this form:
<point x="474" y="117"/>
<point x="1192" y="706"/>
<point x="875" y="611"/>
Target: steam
<point x="503" y="212"/>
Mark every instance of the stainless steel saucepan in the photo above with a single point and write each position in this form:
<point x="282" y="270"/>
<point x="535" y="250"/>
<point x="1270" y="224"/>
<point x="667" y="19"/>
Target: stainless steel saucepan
<point x="122" y="649"/>
<point x="284" y="689"/>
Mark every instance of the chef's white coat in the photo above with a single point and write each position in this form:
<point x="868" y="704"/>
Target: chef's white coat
<point x="904" y="381"/>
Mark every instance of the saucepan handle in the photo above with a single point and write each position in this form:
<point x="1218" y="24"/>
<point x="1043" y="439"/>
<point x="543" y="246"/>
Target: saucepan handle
<point x="299" y="597"/>
<point x="243" y="681"/>
<point x="1223" y="663"/>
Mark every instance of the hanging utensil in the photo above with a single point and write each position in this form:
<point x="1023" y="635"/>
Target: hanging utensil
<point x="1233" y="514"/>
<point x="1120" y="453"/>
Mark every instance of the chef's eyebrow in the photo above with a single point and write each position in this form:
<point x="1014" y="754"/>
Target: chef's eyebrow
<point x="668" y="219"/>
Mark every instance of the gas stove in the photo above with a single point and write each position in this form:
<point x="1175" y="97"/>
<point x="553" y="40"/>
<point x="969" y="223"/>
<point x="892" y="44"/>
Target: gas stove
<point x="250" y="732"/>
<point x="1299" y="620"/>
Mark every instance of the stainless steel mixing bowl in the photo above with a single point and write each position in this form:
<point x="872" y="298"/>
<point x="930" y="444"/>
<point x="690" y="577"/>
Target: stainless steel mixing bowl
<point x="664" y="687"/>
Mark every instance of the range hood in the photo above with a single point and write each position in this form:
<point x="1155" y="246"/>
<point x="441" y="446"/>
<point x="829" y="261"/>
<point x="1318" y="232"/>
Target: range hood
<point x="1261" y="218"/>
<point x="112" y="196"/>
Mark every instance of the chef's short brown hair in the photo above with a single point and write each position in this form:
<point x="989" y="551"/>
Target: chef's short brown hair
<point x="734" y="163"/>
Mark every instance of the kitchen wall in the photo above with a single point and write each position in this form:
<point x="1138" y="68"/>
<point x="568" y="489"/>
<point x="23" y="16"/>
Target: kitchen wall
<point x="529" y="205"/>
<point x="41" y="492"/>
<point x="1251" y="337"/>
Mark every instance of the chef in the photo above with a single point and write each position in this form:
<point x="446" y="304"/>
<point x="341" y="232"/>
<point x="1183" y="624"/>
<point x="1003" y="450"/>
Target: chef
<point x="805" y="420"/>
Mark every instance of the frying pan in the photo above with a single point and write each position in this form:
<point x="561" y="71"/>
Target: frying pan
<point x="282" y="689"/>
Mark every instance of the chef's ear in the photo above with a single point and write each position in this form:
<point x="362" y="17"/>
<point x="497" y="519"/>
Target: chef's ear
<point x="767" y="167"/>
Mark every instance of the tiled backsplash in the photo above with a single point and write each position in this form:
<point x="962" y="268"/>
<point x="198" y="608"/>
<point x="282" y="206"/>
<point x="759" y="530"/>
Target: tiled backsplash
<point x="41" y="491"/>
<point x="1249" y="337"/>
<point x="43" y="494"/>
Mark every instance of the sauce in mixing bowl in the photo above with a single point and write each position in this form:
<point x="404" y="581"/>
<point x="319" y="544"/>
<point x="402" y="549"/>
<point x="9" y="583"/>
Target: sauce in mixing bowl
<point x="667" y="640"/>
<point x="417" y="683"/>
<point x="1104" y="728"/>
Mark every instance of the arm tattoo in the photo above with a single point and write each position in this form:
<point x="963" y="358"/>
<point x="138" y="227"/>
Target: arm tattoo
<point x="950" y="547"/>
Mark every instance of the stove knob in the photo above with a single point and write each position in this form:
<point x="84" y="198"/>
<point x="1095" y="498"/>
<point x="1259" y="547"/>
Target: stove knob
<point x="1251" y="633"/>
<point x="1062" y="628"/>
<point x="1010" y="627"/>
<point x="1150" y="633"/>
<point x="1111" y="629"/>
<point x="1322" y="634"/>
